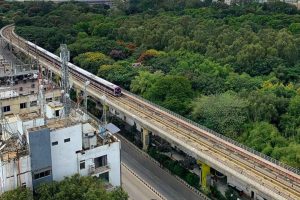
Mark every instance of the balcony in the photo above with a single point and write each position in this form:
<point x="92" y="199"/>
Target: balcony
<point x="98" y="170"/>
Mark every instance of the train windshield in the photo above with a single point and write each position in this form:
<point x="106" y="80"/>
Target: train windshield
<point x="118" y="91"/>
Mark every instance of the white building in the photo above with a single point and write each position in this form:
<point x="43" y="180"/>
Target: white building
<point x="55" y="148"/>
<point x="39" y="144"/>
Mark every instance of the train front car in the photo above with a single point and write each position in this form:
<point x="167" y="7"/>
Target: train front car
<point x="117" y="91"/>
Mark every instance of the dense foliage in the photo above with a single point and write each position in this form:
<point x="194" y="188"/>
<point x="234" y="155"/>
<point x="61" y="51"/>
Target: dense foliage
<point x="176" y="168"/>
<point x="233" y="69"/>
<point x="71" y="188"/>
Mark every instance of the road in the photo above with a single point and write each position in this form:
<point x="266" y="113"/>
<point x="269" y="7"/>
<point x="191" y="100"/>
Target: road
<point x="135" y="188"/>
<point x="166" y="184"/>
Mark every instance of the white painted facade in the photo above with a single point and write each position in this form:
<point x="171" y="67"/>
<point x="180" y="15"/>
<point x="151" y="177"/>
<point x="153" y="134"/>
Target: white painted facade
<point x="66" y="156"/>
<point x="113" y="162"/>
<point x="63" y="155"/>
<point x="15" y="173"/>
<point x="76" y="142"/>
<point x="54" y="110"/>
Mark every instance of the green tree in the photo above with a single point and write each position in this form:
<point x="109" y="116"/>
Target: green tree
<point x="91" y="61"/>
<point x="289" y="154"/>
<point x="172" y="92"/>
<point x="78" y="187"/>
<point x="17" y="194"/>
<point x="144" y="81"/>
<point x="224" y="113"/>
<point x="290" y="122"/>
<point x="120" y="73"/>
<point x="266" y="106"/>
<point x="261" y="136"/>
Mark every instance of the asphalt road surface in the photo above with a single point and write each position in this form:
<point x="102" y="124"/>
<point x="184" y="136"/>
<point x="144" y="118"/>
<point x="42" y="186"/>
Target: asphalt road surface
<point x="135" y="188"/>
<point x="164" y="183"/>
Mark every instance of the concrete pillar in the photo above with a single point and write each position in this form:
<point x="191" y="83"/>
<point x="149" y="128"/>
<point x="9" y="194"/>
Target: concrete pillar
<point x="205" y="176"/>
<point x="145" y="139"/>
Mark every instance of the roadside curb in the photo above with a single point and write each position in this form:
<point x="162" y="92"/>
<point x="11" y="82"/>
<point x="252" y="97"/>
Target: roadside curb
<point x="166" y="170"/>
<point x="144" y="182"/>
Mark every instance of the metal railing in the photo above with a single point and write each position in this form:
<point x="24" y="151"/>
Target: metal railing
<point x="268" y="158"/>
<point x="98" y="170"/>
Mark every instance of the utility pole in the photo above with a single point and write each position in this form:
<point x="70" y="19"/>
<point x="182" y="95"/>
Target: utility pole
<point x="65" y="57"/>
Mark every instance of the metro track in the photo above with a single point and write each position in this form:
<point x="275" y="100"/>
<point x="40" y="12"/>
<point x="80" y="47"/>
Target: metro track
<point x="187" y="132"/>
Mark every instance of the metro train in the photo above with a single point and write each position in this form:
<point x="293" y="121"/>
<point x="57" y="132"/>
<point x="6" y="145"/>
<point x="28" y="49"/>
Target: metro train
<point x="85" y="75"/>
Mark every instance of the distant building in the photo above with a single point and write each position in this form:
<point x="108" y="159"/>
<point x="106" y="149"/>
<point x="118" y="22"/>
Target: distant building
<point x="38" y="144"/>
<point x="107" y="2"/>
<point x="48" y="150"/>
<point x="19" y="86"/>
<point x="229" y="2"/>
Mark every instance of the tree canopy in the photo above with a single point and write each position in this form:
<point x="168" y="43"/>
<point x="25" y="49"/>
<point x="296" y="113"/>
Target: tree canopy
<point x="71" y="188"/>
<point x="234" y="69"/>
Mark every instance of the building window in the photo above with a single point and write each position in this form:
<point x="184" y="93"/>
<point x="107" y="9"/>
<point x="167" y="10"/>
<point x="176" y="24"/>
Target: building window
<point x="6" y="108"/>
<point x="57" y="113"/>
<point x="33" y="103"/>
<point x="48" y="100"/>
<point x="82" y="164"/>
<point x="21" y="89"/>
<point x="33" y="85"/>
<point x="23" y="185"/>
<point x="42" y="174"/>
<point x="54" y="143"/>
<point x="100" y="161"/>
<point x="67" y="140"/>
<point x="22" y="105"/>
<point x="32" y="92"/>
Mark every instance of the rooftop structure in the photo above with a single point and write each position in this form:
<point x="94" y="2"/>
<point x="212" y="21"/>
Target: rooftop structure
<point x="40" y="142"/>
<point x="19" y="86"/>
<point x="36" y="150"/>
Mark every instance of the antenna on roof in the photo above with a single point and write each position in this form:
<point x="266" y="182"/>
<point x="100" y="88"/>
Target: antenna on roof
<point x="65" y="57"/>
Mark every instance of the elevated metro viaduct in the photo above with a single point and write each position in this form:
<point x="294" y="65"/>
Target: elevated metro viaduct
<point x="256" y="176"/>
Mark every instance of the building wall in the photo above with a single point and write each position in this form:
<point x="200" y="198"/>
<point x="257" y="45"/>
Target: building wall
<point x="14" y="174"/>
<point x="22" y="126"/>
<point x="15" y="102"/>
<point x="64" y="157"/>
<point x="51" y="112"/>
<point x="113" y="159"/>
<point x="40" y="153"/>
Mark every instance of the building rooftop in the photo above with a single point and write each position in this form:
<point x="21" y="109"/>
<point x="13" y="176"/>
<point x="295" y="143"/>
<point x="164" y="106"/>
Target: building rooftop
<point x="5" y="93"/>
<point x="12" y="149"/>
<point x="29" y="116"/>
<point x="55" y="105"/>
